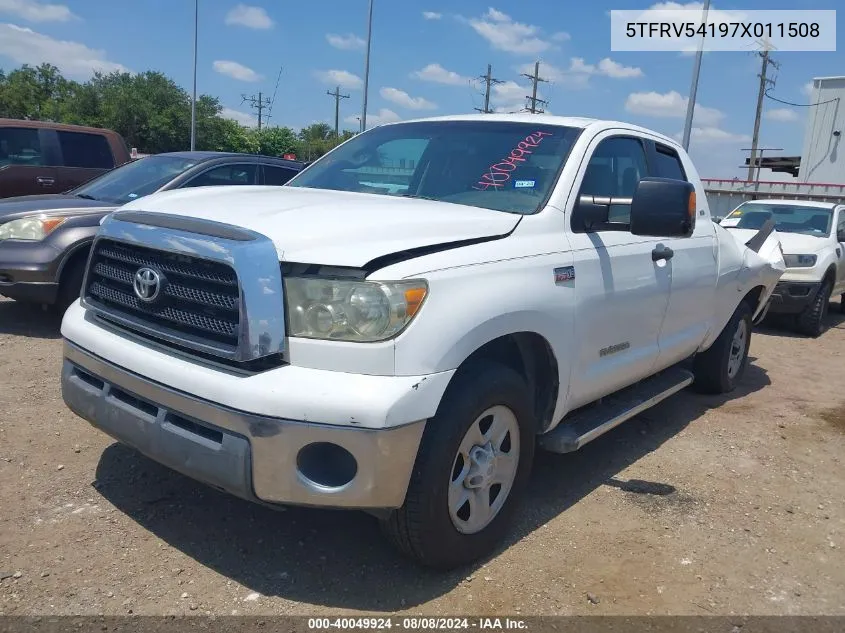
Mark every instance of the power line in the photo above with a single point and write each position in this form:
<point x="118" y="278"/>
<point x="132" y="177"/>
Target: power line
<point x="800" y="105"/>
<point x="258" y="103"/>
<point x="337" y="97"/>
<point x="764" y="83"/>
<point x="535" y="78"/>
<point x="489" y="80"/>
<point x="275" y="90"/>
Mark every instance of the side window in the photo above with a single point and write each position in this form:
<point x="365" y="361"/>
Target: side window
<point x="20" y="146"/>
<point x="277" y="176"/>
<point x="80" y="149"/>
<point x="840" y="227"/>
<point x="614" y="170"/>
<point x="225" y="175"/>
<point x="668" y="163"/>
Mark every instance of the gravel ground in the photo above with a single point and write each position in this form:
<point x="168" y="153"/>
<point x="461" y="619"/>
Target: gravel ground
<point x="702" y="506"/>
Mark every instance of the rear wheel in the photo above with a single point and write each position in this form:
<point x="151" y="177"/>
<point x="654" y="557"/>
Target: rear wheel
<point x="811" y="322"/>
<point x="721" y="367"/>
<point x="471" y="469"/>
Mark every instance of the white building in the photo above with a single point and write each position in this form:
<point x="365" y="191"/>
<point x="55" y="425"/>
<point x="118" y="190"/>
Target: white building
<point x="822" y="158"/>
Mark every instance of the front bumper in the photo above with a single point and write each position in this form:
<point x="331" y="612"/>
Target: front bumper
<point x="793" y="297"/>
<point x="28" y="271"/>
<point x="258" y="458"/>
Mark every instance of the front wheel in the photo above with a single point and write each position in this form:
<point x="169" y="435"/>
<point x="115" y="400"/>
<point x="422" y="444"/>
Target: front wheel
<point x="471" y="469"/>
<point x="811" y="322"/>
<point x="720" y="368"/>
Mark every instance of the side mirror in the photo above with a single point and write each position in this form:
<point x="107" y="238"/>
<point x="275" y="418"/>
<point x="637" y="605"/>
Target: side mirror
<point x="663" y="207"/>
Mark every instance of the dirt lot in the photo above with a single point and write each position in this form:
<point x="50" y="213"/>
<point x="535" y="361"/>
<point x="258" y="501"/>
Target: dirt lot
<point x="702" y="506"/>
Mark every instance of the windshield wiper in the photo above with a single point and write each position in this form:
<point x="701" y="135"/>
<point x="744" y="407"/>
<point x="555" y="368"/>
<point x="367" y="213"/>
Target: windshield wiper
<point x="85" y="196"/>
<point x="413" y="195"/>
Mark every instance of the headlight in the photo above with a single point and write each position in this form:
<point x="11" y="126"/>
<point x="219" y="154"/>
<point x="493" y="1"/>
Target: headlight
<point x="800" y="261"/>
<point x="347" y="310"/>
<point x="33" y="228"/>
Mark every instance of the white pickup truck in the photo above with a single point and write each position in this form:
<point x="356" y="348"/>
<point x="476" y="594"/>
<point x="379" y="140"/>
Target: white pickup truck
<point x="812" y="235"/>
<point x="396" y="329"/>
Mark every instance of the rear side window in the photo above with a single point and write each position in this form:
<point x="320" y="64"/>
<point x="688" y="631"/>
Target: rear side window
<point x="277" y="175"/>
<point x="225" y="175"/>
<point x="85" y="150"/>
<point x="19" y="146"/>
<point x="669" y="164"/>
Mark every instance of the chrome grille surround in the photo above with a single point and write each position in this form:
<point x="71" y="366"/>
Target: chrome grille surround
<point x="221" y="295"/>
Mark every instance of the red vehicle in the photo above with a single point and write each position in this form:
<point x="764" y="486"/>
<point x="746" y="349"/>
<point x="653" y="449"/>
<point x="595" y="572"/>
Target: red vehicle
<point x="38" y="157"/>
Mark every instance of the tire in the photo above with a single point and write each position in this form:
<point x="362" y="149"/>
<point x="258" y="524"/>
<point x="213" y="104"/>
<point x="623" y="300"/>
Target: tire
<point x="842" y="304"/>
<point x="811" y="322"/>
<point x="424" y="528"/>
<point x="70" y="284"/>
<point x="721" y="367"/>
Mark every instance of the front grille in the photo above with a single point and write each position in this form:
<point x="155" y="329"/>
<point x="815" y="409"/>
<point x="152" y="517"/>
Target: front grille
<point x="198" y="300"/>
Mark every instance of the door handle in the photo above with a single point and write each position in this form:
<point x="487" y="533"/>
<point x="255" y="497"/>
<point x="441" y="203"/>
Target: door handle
<point x="662" y="252"/>
<point x="46" y="182"/>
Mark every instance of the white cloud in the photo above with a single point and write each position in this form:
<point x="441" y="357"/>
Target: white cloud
<point x="671" y="105"/>
<point x="561" y="36"/>
<point x="437" y="74"/>
<point x="506" y="35"/>
<point x="579" y="72"/>
<point x="25" y="46"/>
<point x="348" y="42"/>
<point x="34" y="11"/>
<point x="783" y="115"/>
<point x="342" y="78"/>
<point x="376" y="118"/>
<point x="692" y="12"/>
<point x="807" y="88"/>
<point x="244" y="118"/>
<point x="402" y="98"/>
<point x="509" y="96"/>
<point x="615" y="70"/>
<point x="250" y="17"/>
<point x="714" y="134"/>
<point x="431" y="15"/>
<point x="235" y="70"/>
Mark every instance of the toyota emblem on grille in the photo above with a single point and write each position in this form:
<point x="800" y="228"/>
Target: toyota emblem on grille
<point x="147" y="284"/>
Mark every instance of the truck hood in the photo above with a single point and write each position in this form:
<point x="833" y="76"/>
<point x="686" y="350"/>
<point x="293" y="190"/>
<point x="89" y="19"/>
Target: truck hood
<point x="333" y="228"/>
<point x="792" y="243"/>
<point x="59" y="204"/>
<point x="799" y="244"/>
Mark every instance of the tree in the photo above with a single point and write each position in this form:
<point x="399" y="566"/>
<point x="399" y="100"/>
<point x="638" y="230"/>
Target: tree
<point x="275" y="141"/>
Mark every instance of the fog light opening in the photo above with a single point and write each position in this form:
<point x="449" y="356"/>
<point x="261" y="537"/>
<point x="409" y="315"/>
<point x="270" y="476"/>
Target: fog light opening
<point x="326" y="465"/>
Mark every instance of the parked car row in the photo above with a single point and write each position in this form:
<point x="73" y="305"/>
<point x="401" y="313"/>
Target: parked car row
<point x="45" y="239"/>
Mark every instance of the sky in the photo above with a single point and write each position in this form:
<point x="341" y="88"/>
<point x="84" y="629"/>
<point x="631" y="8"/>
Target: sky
<point x="426" y="59"/>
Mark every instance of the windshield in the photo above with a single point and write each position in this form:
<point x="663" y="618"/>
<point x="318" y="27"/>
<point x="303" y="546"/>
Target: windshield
<point x="501" y="166"/>
<point x="788" y="218"/>
<point x="134" y="180"/>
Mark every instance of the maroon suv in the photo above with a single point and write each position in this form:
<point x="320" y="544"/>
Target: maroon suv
<point x="39" y="157"/>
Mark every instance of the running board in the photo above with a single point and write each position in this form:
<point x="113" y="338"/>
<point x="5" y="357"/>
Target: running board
<point x="588" y="424"/>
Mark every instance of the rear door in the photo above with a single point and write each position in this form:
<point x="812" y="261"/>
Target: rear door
<point x="692" y="268"/>
<point x="27" y="156"/>
<point x="85" y="155"/>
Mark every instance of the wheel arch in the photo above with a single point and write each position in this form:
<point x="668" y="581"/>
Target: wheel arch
<point x="531" y="355"/>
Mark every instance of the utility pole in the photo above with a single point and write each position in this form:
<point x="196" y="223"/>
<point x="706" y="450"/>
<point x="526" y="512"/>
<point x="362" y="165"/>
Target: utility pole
<point x="489" y="81"/>
<point x="764" y="83"/>
<point x="194" y="94"/>
<point x="367" y="68"/>
<point x="337" y="97"/>
<point x="696" y="71"/>
<point x="535" y="79"/>
<point x="258" y="103"/>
